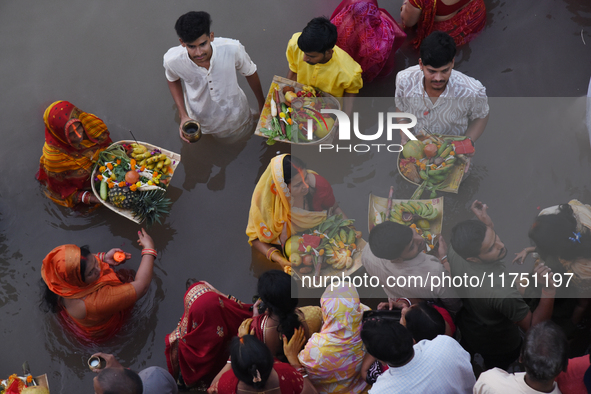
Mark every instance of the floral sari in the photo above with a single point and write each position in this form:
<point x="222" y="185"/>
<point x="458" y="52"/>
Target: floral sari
<point x="271" y="218"/>
<point x="462" y="27"/>
<point x="198" y="348"/>
<point x="107" y="300"/>
<point x="65" y="169"/>
<point x="333" y="356"/>
<point x="369" y="35"/>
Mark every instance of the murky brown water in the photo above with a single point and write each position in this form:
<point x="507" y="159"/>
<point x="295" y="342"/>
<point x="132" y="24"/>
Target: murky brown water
<point x="106" y="58"/>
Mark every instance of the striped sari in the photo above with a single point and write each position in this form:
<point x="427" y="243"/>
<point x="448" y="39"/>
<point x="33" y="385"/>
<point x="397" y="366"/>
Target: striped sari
<point x="65" y="168"/>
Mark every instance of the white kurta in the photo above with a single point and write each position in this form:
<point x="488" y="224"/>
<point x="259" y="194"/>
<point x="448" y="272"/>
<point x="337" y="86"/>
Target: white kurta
<point x="212" y="96"/>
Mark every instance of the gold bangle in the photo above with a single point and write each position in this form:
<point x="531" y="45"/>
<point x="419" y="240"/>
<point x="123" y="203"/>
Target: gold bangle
<point x="271" y="251"/>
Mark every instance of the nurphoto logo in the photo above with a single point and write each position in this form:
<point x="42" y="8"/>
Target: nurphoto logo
<point x="344" y="132"/>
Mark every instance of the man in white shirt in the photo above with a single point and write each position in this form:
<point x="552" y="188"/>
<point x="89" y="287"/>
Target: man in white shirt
<point x="444" y="101"/>
<point x="544" y="354"/>
<point x="437" y="366"/>
<point x="208" y="70"/>
<point x="395" y="255"/>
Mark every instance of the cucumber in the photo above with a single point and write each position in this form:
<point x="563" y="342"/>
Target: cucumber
<point x="442" y="148"/>
<point x="104" y="189"/>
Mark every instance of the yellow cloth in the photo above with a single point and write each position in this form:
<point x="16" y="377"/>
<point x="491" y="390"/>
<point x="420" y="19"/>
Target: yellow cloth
<point x="270" y="209"/>
<point x="341" y="74"/>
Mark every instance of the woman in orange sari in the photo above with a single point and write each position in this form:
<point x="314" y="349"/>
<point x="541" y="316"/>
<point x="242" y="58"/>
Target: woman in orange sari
<point x="461" y="19"/>
<point x="73" y="141"/>
<point x="89" y="295"/>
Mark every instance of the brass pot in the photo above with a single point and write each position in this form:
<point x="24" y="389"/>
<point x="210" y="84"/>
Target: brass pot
<point x="192" y="130"/>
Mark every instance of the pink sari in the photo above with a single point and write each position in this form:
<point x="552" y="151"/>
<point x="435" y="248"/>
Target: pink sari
<point x="369" y="35"/>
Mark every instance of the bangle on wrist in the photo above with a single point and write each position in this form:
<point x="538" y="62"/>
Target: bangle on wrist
<point x="101" y="256"/>
<point x="444" y="258"/>
<point x="404" y="299"/>
<point x="270" y="252"/>
<point x="149" y="251"/>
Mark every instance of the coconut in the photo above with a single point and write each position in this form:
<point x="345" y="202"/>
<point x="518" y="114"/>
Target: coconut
<point x="413" y="149"/>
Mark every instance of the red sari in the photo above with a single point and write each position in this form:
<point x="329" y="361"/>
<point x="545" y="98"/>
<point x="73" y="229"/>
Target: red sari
<point x="462" y="27"/>
<point x="290" y="380"/>
<point x="65" y="169"/>
<point x="198" y="348"/>
<point x="369" y="35"/>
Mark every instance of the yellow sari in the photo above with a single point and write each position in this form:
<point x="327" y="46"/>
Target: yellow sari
<point x="271" y="218"/>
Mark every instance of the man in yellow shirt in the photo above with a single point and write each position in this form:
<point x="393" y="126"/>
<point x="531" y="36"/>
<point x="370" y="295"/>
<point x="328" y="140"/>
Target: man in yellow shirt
<point x="314" y="59"/>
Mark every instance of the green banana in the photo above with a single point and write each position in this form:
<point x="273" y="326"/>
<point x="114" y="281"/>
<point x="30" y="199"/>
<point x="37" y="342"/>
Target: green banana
<point x="343" y="234"/>
<point x="408" y="207"/>
<point x="352" y="236"/>
<point x="416" y="206"/>
<point x="423" y="175"/>
<point x="446" y="151"/>
<point x="442" y="148"/>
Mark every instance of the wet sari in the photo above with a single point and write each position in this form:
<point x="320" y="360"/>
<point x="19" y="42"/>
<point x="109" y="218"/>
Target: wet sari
<point x="369" y="35"/>
<point x="107" y="300"/>
<point x="271" y="218"/>
<point x="198" y="348"/>
<point x="462" y="27"/>
<point x="333" y="357"/>
<point x="65" y="169"/>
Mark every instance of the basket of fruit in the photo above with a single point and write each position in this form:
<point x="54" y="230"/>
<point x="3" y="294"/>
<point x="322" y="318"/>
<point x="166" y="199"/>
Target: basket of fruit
<point x="292" y="114"/>
<point x="423" y="216"/>
<point x="431" y="163"/>
<point x="331" y="248"/>
<point x="131" y="178"/>
<point x="25" y="385"/>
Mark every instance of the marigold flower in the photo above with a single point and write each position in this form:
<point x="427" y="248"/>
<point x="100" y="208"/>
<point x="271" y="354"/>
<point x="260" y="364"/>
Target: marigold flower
<point x="109" y="166"/>
<point x="121" y="184"/>
<point x="102" y="168"/>
<point x="100" y="177"/>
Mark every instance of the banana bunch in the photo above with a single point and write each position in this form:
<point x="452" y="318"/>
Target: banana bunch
<point x="341" y="247"/>
<point x="151" y="160"/>
<point x="419" y="208"/>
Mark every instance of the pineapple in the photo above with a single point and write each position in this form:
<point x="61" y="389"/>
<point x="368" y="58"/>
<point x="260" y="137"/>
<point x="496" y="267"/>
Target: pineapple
<point x="149" y="205"/>
<point x="121" y="197"/>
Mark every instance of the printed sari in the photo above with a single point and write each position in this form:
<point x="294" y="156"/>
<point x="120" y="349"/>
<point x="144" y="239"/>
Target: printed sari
<point x="333" y="357"/>
<point x="271" y="218"/>
<point x="198" y="348"/>
<point x="107" y="300"/>
<point x="65" y="169"/>
<point x="369" y="35"/>
<point x="462" y="27"/>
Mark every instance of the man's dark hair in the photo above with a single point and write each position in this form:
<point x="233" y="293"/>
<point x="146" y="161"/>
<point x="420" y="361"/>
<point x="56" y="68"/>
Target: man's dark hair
<point x="319" y="35"/>
<point x="467" y="238"/>
<point x="544" y="352"/>
<point x="120" y="381"/>
<point x="193" y="25"/>
<point x="424" y="322"/>
<point x="387" y="240"/>
<point x="438" y="49"/>
<point x="388" y="341"/>
<point x="251" y="359"/>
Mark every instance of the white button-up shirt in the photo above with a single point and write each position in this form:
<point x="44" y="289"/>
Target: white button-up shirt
<point x="212" y="96"/>
<point x="463" y="100"/>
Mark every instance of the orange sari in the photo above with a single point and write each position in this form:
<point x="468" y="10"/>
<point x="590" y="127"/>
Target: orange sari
<point x="107" y="300"/>
<point x="65" y="169"/>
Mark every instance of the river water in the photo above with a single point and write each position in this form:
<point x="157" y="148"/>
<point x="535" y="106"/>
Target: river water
<point x="106" y="57"/>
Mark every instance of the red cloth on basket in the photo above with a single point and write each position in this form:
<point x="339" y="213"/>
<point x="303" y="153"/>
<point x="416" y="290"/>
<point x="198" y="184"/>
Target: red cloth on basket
<point x="463" y="147"/>
<point x="369" y="35"/>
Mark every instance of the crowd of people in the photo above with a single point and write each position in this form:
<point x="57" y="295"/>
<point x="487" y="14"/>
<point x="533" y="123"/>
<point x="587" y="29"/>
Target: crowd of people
<point x="421" y="340"/>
